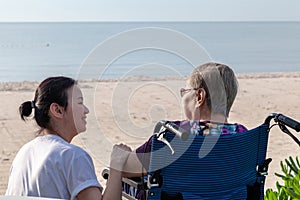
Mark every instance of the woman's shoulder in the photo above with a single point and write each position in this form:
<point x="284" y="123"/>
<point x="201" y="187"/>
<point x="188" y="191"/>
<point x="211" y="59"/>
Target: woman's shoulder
<point x="57" y="145"/>
<point x="210" y="127"/>
<point x="240" y="128"/>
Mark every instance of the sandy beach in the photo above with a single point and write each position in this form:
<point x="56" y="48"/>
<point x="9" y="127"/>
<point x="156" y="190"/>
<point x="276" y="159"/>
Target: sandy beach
<point x="127" y="110"/>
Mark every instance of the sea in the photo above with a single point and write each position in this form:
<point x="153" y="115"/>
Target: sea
<point x="112" y="50"/>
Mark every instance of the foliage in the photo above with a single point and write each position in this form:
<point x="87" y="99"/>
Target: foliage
<point x="291" y="176"/>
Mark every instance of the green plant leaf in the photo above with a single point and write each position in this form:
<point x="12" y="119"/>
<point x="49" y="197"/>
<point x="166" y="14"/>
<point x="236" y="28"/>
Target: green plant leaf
<point x="292" y="165"/>
<point x="298" y="163"/>
<point x="291" y="177"/>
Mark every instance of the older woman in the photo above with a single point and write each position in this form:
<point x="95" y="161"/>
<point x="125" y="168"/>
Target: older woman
<point x="206" y="100"/>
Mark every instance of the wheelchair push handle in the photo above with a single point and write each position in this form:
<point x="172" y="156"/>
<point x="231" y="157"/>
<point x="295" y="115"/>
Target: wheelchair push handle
<point x="287" y="121"/>
<point x="163" y="125"/>
<point x="284" y="121"/>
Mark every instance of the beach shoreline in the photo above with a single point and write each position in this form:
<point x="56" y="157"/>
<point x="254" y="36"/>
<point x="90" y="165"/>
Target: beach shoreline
<point x="125" y="110"/>
<point x="31" y="85"/>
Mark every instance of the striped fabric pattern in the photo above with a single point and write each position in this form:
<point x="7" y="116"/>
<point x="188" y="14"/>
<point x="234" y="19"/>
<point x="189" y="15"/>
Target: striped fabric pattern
<point x="209" y="167"/>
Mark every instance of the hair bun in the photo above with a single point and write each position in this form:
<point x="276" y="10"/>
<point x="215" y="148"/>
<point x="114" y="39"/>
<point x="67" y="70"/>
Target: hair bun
<point x="25" y="109"/>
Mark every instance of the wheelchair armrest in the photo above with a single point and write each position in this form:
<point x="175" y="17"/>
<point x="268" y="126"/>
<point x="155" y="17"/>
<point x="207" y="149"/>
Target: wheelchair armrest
<point x="105" y="173"/>
<point x="135" y="182"/>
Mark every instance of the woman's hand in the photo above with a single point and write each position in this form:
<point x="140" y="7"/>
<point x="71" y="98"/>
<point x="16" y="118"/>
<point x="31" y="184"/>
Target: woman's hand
<point x="119" y="155"/>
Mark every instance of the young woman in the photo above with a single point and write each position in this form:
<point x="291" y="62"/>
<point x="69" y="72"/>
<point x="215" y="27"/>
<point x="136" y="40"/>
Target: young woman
<point x="49" y="166"/>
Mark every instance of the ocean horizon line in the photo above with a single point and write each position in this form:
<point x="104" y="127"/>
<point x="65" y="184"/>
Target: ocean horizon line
<point x="91" y="21"/>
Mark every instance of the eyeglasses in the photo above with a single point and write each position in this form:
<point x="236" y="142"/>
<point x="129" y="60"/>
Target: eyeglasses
<point x="183" y="91"/>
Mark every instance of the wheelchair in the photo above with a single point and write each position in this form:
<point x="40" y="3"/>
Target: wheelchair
<point x="188" y="166"/>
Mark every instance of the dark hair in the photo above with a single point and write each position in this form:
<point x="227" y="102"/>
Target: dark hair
<point x="51" y="90"/>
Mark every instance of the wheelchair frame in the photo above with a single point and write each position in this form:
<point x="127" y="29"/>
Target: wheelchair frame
<point x="153" y="180"/>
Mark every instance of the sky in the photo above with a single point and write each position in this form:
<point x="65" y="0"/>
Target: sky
<point x="148" y="10"/>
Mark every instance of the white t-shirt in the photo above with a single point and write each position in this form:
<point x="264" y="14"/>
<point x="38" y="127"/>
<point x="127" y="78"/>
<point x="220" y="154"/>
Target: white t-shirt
<point x="48" y="166"/>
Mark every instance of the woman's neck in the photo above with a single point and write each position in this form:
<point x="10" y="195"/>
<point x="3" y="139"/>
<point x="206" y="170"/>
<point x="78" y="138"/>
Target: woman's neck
<point x="215" y="118"/>
<point x="211" y="117"/>
<point x="63" y="136"/>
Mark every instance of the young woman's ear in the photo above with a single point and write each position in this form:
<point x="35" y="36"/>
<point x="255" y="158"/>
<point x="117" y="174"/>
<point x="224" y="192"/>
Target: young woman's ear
<point x="56" y="110"/>
<point x="201" y="96"/>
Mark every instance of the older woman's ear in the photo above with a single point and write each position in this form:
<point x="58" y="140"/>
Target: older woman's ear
<point x="200" y="96"/>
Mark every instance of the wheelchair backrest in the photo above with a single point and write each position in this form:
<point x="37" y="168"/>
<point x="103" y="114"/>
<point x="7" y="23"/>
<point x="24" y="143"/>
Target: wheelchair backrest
<point x="208" y="167"/>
